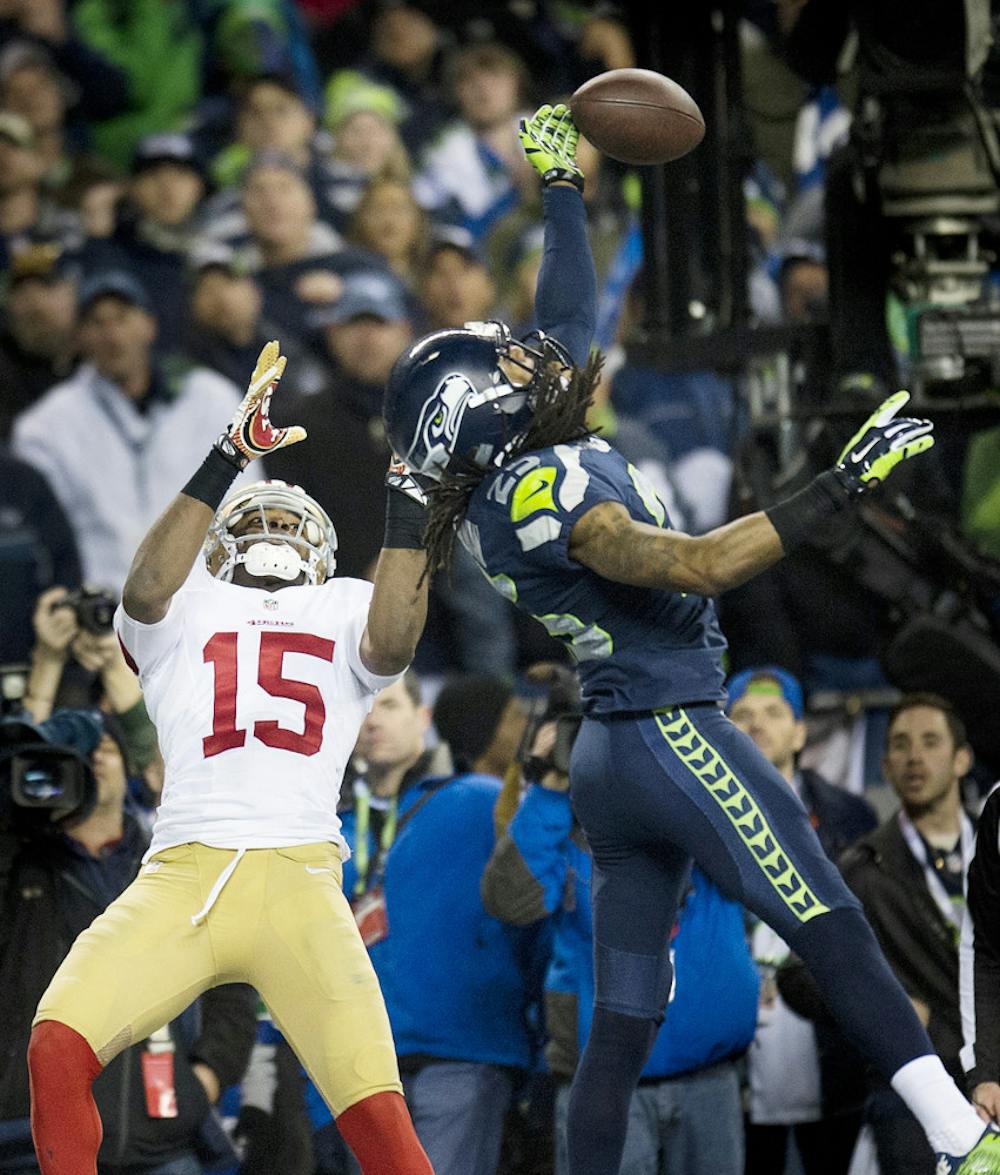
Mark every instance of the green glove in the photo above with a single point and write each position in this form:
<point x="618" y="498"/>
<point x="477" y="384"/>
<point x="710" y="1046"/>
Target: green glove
<point x="549" y="140"/>
<point x="881" y="443"/>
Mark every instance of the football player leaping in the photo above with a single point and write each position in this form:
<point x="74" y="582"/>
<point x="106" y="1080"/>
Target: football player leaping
<point x="258" y="668"/>
<point x="569" y="531"/>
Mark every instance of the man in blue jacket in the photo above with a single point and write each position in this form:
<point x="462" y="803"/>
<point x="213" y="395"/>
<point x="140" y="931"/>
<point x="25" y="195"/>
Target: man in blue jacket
<point x="453" y="977"/>
<point x="685" y="1114"/>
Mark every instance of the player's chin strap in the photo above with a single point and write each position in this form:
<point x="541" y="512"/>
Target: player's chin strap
<point x="275" y="560"/>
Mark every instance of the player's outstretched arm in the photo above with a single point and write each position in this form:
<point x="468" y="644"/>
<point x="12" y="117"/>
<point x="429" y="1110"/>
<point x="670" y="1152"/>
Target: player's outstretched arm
<point x="609" y="541"/>
<point x="566" y="296"/>
<point x="167" y="553"/>
<point x="398" y="607"/>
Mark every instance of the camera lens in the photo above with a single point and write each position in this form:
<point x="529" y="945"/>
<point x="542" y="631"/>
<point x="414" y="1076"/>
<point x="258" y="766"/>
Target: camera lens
<point x="39" y="785"/>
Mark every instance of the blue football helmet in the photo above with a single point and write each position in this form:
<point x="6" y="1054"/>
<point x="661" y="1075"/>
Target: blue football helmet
<point x="449" y="407"/>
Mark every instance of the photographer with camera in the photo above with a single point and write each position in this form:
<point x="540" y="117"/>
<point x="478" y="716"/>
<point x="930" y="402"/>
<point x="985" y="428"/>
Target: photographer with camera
<point x="686" y="1112"/>
<point x="78" y="625"/>
<point x="70" y="842"/>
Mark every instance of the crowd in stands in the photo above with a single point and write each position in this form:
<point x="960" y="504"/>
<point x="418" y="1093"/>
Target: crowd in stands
<point x="181" y="182"/>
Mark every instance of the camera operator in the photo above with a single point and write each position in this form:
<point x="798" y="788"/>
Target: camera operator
<point x="70" y="842"/>
<point x="919" y="91"/>
<point x="78" y="625"/>
<point x="686" y="1112"/>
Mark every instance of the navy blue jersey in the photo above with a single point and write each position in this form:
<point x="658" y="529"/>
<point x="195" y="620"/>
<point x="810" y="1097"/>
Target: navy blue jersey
<point x="637" y="648"/>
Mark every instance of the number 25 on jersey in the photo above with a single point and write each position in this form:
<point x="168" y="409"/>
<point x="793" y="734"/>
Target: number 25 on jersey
<point x="221" y="651"/>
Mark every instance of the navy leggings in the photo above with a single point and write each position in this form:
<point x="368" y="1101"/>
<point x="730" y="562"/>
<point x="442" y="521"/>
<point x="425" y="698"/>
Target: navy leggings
<point x="654" y="791"/>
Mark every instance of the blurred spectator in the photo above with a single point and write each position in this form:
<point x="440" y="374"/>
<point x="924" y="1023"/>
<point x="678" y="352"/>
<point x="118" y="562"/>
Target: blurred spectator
<point x="483" y="738"/>
<point x="37" y="551"/>
<point x="113" y="439"/>
<point x="158" y="49"/>
<point x="456" y="286"/>
<point x="298" y="259"/>
<point x="685" y="1115"/>
<point x="101" y="86"/>
<point x="471" y="174"/>
<point x="227" y="328"/>
<point x="271" y="116"/>
<point x="266" y="38"/>
<point x="364" y="122"/>
<point x="54" y="881"/>
<point x="32" y="86"/>
<point x="909" y="874"/>
<point x="454" y="978"/>
<point x="389" y="221"/>
<point x="155" y="229"/>
<point x="38" y="340"/>
<point x="405" y="54"/>
<point x="693" y="415"/>
<point x="638" y="445"/>
<point x="979" y="967"/>
<point x="25" y="209"/>
<point x="364" y="332"/>
<point x="796" y="1072"/>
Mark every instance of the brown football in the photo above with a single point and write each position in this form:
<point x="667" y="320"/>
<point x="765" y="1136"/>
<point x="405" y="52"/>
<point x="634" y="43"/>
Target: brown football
<point x="637" y="116"/>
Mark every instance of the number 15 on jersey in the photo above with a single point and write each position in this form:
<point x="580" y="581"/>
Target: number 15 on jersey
<point x="222" y="651"/>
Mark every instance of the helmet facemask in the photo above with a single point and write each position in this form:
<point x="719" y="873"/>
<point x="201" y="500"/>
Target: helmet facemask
<point x="266" y="549"/>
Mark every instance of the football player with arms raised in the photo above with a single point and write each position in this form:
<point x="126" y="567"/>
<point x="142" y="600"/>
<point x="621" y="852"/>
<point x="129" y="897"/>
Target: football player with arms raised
<point x="566" y="528"/>
<point x="258" y="667"/>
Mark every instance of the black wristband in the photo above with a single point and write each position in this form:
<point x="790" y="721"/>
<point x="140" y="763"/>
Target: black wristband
<point x="405" y="521"/>
<point x="211" y="482"/>
<point x="796" y="518"/>
<point x="563" y="173"/>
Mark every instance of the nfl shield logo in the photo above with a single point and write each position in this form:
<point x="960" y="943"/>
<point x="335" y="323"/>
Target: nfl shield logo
<point x="270" y="603"/>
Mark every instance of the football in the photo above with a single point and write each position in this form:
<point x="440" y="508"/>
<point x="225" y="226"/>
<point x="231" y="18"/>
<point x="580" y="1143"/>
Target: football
<point x="637" y="116"/>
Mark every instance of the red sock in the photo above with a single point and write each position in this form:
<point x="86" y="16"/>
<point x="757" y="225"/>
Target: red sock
<point x="65" y="1123"/>
<point x="379" y="1131"/>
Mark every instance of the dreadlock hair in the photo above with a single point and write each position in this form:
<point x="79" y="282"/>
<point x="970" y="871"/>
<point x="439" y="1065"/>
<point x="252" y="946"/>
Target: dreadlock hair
<point x="559" y="417"/>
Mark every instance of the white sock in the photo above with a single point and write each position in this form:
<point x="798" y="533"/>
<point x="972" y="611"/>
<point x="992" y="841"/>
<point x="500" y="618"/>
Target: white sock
<point x="949" y="1121"/>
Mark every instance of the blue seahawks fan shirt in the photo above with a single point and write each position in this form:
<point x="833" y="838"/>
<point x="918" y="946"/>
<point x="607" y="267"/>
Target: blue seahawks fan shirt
<point x="637" y="648"/>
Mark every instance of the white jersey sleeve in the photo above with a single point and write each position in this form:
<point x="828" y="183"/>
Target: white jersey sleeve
<point x="372" y="681"/>
<point x="147" y="645"/>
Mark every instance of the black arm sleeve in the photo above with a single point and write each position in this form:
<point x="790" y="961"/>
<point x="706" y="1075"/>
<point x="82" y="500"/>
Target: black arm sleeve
<point x="229" y="1029"/>
<point x="566" y="296"/>
<point x="980" y="981"/>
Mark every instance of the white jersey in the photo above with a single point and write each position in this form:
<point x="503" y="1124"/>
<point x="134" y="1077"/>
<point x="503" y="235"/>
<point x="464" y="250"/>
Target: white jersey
<point x="257" y="698"/>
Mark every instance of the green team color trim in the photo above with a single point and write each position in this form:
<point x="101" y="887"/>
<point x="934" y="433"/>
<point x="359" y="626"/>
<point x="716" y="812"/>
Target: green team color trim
<point x="710" y="769"/>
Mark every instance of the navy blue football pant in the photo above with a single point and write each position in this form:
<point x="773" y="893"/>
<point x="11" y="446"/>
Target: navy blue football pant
<point x="652" y="792"/>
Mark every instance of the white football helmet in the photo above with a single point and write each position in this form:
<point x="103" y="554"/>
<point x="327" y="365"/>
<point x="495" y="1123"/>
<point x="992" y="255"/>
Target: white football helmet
<point x="310" y="548"/>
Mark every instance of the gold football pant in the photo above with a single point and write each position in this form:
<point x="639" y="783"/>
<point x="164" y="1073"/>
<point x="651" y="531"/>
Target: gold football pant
<point x="280" y="922"/>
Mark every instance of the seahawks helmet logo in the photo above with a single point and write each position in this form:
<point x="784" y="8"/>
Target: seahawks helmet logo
<point x="440" y="419"/>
